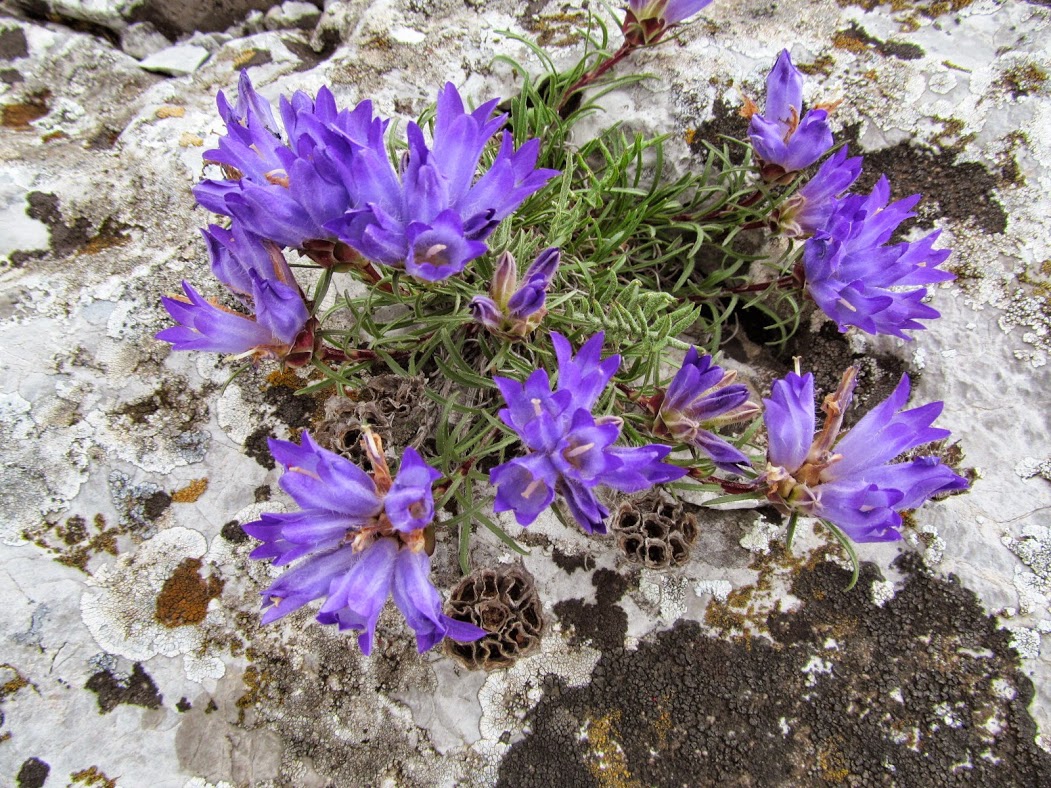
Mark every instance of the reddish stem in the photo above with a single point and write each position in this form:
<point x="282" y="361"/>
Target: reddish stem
<point x="591" y="76"/>
<point x="727" y="485"/>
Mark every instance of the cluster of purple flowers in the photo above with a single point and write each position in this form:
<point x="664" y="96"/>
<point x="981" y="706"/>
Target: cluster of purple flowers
<point x="570" y="450"/>
<point x="851" y="270"/>
<point x="849" y="480"/>
<point x="363" y="538"/>
<point x="321" y="181"/>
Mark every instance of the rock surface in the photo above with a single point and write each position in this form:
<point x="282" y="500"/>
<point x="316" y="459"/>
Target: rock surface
<point x="132" y="651"/>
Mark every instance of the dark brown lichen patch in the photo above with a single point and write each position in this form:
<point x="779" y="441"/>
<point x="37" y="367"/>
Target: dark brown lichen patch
<point x="185" y="595"/>
<point x="73" y="542"/>
<point x="13" y="44"/>
<point x="654" y="530"/>
<point x="234" y="533"/>
<point x="504" y="602"/>
<point x="571" y="563"/>
<point x="962" y="191"/>
<point x="33" y="773"/>
<point x="603" y="624"/>
<point x="257" y="447"/>
<point x="855" y="39"/>
<point x="921" y="691"/>
<point x="137" y="689"/>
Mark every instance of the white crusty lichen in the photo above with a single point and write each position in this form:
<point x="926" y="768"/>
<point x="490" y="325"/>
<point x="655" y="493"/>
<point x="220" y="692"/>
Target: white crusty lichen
<point x="119" y="605"/>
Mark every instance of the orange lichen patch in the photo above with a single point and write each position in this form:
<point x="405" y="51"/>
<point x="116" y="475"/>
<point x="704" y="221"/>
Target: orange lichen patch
<point x="285" y="377"/>
<point x="690" y="136"/>
<point x="185" y="595"/>
<point x="832" y="762"/>
<point x="13" y="684"/>
<point x="92" y="777"/>
<point x="849" y="43"/>
<point x="20" y="114"/>
<point x="242" y="59"/>
<point x="191" y="492"/>
<point x="605" y="757"/>
<point x="170" y="112"/>
<point x="188" y="140"/>
<point x="51" y="136"/>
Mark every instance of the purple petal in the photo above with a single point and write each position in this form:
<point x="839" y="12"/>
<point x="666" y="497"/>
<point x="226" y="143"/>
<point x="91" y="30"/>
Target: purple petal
<point x="790" y="420"/>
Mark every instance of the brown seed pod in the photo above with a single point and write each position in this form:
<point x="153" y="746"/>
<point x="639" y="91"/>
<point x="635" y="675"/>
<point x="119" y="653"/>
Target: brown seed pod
<point x="504" y="602"/>
<point x="655" y="530"/>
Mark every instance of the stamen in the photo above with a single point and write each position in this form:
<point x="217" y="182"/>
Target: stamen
<point x="584" y="447"/>
<point x="277" y="177"/>
<point x="531" y="487"/>
<point x="848" y="305"/>
<point x="435" y="250"/>
<point x="536" y="407"/>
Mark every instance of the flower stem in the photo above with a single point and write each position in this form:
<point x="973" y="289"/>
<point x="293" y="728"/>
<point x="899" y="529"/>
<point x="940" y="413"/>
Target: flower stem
<point x="792" y="520"/>
<point x="591" y="76"/>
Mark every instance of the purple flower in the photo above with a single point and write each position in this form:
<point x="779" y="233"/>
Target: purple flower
<point x="431" y="216"/>
<point x="514" y="310"/>
<point x="809" y="209"/>
<point x="856" y="277"/>
<point x="287" y="189"/>
<point x="363" y="540"/>
<point x="702" y="397"/>
<point x="849" y="480"/>
<point x="570" y="451"/>
<point x="646" y="21"/>
<point x="236" y="253"/>
<point x="280" y="318"/>
<point x="784" y="138"/>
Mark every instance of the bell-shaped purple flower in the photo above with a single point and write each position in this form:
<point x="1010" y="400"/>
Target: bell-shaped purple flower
<point x="280" y="317"/>
<point x="570" y="450"/>
<point x="646" y="21"/>
<point x="858" y="279"/>
<point x="363" y="540"/>
<point x="431" y="217"/>
<point x="808" y="210"/>
<point x="513" y="311"/>
<point x="285" y="184"/>
<point x="236" y="253"/>
<point x="703" y="397"/>
<point x="849" y="480"/>
<point x="785" y="138"/>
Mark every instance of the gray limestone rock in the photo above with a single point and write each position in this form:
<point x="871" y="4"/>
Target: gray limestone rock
<point x="142" y="39"/>
<point x="176" y="61"/>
